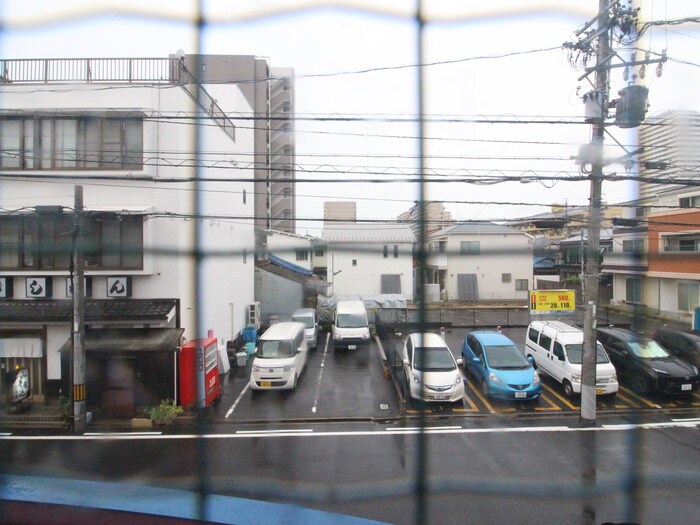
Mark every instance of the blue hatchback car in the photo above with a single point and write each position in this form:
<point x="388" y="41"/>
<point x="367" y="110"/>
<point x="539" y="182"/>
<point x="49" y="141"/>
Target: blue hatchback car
<point x="500" y="367"/>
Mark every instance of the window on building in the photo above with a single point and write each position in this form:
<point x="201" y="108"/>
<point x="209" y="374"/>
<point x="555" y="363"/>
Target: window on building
<point x="633" y="290"/>
<point x="302" y="255"/>
<point x="572" y="255"/>
<point x="245" y="195"/>
<point x="469" y="248"/>
<point x="396" y="251"/>
<point x="681" y="243"/>
<point x="390" y="283"/>
<point x="245" y="256"/>
<point x="354" y="262"/>
<point x="319" y="252"/>
<point x="43" y="241"/>
<point x="688" y="296"/>
<point x="90" y="142"/>
<point x="505" y="277"/>
<point x="633" y="246"/>
<point x="386" y="251"/>
<point x="689" y="202"/>
<point x="521" y="284"/>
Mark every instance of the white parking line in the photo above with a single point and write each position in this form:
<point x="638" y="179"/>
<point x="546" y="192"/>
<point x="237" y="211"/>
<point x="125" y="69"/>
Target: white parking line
<point x="238" y="399"/>
<point x="307" y="433"/>
<point x="294" y="431"/>
<point x="120" y="434"/>
<point x="320" y="375"/>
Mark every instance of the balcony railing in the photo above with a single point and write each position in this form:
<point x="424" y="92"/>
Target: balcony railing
<point x="114" y="71"/>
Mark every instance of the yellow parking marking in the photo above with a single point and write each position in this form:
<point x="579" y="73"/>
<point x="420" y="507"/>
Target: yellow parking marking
<point x="483" y="399"/>
<point x="560" y="398"/>
<point x="472" y="405"/>
<point x="630" y="403"/>
<point x="552" y="404"/>
<point x="629" y="393"/>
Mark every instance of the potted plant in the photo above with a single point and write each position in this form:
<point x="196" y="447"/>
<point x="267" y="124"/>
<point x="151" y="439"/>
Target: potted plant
<point x="165" y="413"/>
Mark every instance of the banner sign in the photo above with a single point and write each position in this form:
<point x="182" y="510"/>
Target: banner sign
<point x="552" y="301"/>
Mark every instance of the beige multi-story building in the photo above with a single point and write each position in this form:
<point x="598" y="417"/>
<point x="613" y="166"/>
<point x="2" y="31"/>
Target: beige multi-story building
<point x="339" y="211"/>
<point x="435" y="217"/>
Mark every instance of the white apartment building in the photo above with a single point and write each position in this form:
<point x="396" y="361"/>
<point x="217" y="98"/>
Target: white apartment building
<point x="165" y="175"/>
<point x="369" y="259"/>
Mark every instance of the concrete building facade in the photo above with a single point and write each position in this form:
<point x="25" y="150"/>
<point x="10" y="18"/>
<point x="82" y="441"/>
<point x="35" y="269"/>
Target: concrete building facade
<point x="164" y="176"/>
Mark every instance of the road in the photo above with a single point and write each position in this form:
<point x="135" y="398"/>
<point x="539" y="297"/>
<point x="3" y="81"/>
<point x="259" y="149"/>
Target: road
<point x="477" y="470"/>
<point x="346" y="441"/>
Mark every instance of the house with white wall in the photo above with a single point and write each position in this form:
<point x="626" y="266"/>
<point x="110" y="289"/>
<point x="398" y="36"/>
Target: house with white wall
<point x="169" y="253"/>
<point x="369" y="259"/>
<point x="479" y="261"/>
<point x="291" y="247"/>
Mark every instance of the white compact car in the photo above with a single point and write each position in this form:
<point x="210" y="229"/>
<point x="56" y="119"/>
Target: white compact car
<point x="430" y="369"/>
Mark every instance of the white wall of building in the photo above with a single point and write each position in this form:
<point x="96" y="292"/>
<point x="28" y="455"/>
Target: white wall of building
<point x="285" y="246"/>
<point x="364" y="277"/>
<point x="499" y="254"/>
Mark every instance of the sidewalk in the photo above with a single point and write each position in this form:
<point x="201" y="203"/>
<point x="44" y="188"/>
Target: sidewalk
<point x="37" y="416"/>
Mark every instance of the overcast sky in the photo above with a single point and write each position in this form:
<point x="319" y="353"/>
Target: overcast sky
<point x="492" y="61"/>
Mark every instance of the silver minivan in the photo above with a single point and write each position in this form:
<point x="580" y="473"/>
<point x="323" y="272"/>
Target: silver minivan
<point x="308" y="317"/>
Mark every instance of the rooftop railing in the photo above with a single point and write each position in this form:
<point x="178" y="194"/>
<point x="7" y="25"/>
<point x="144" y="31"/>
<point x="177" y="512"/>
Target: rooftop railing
<point x="114" y="71"/>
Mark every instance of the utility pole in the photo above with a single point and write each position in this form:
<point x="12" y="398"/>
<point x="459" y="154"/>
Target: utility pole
<point x="592" y="275"/>
<point x="78" y="325"/>
<point x="619" y="22"/>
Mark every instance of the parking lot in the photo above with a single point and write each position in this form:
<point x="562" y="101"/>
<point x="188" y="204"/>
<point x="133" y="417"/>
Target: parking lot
<point x="365" y="384"/>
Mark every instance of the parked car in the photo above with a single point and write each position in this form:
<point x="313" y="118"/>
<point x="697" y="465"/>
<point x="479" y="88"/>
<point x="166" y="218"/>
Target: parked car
<point x="500" y="367"/>
<point x="684" y="345"/>
<point x="430" y="370"/>
<point x="308" y="317"/>
<point x="280" y="357"/>
<point x="350" y="325"/>
<point x="644" y="364"/>
<point x="558" y="352"/>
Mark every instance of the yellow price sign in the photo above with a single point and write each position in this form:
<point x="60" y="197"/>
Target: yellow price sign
<point x="547" y="301"/>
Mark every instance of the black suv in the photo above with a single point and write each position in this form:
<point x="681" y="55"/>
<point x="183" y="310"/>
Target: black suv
<point x="684" y="345"/>
<point x="645" y="366"/>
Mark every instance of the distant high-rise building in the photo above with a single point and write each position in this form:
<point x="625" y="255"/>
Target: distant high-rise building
<point x="270" y="92"/>
<point x="434" y="214"/>
<point x="339" y="211"/>
<point x="671" y="151"/>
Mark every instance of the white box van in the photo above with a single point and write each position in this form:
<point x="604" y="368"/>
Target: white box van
<point x="558" y="351"/>
<point x="279" y="358"/>
<point x="350" y="325"/>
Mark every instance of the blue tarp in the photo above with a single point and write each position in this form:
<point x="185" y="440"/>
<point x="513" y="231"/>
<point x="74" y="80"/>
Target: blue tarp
<point x="289" y="266"/>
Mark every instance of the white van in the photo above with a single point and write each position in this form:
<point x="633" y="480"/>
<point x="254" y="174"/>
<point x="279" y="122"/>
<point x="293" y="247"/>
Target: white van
<point x="280" y="357"/>
<point x="557" y="349"/>
<point x="350" y="325"/>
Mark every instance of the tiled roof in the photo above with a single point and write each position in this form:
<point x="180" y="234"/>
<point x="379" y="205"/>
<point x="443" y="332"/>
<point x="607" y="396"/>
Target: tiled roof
<point x="478" y="228"/>
<point x="373" y="232"/>
<point x="95" y="310"/>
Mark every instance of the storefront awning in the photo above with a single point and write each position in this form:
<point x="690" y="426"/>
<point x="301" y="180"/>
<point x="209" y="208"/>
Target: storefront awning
<point x="20" y="347"/>
<point x="133" y="340"/>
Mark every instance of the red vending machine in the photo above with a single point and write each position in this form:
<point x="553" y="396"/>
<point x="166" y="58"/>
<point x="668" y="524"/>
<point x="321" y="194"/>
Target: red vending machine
<point x="198" y="373"/>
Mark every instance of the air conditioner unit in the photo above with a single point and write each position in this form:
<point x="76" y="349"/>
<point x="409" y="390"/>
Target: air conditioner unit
<point x="254" y="314"/>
